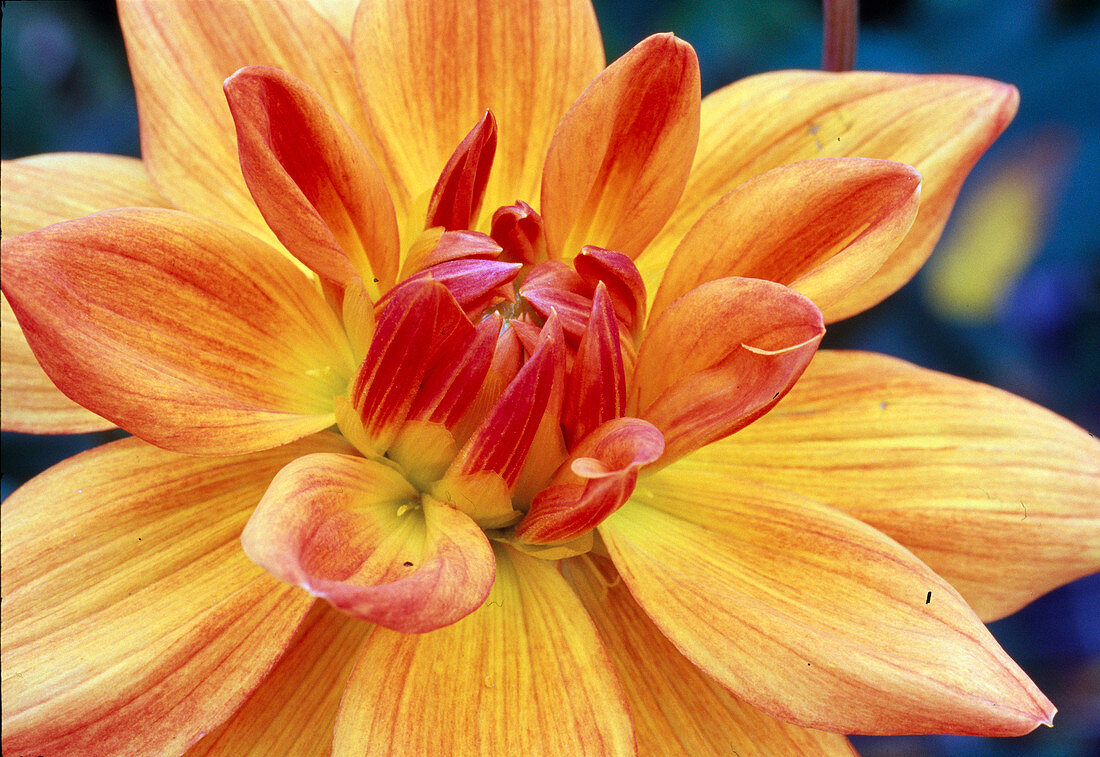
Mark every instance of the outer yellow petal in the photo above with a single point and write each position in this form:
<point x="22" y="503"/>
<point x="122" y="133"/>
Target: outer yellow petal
<point x="997" y="495"/>
<point x="821" y="227"/>
<point x="677" y="708"/>
<point x="525" y="674"/>
<point x="44" y="189"/>
<point x="810" y="615"/>
<point x="132" y="622"/>
<point x="432" y="69"/>
<point x="180" y="52"/>
<point x="293" y="711"/>
<point x="340" y="13"/>
<point x="939" y="124"/>
<point x="36" y="192"/>
<point x="621" y="155"/>
<point x="188" y="333"/>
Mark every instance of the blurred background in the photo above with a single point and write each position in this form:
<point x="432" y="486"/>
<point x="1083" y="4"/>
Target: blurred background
<point x="1011" y="296"/>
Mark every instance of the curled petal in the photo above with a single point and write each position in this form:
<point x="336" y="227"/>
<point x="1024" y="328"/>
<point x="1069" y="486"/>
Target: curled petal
<point x="623" y="281"/>
<point x="551" y="337"/>
<point x="312" y="179"/>
<point x="608" y="461"/>
<point x="573" y="309"/>
<point x="133" y="309"/>
<point x="821" y="227"/>
<point x="434" y="246"/>
<point x="506" y="362"/>
<point x="444" y="692"/>
<point x="810" y="615"/>
<point x="719" y="357"/>
<point x="518" y="229"/>
<point x="355" y="532"/>
<point x="772" y="119"/>
<point x="552" y="288"/>
<point x="475" y="284"/>
<point x="415" y="321"/>
<point x="456" y="199"/>
<point x="997" y="495"/>
<point x="554" y="274"/>
<point x="462" y="245"/>
<point x="621" y="155"/>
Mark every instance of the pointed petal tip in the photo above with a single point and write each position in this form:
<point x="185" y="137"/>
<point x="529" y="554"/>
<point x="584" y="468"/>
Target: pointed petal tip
<point x="665" y="40"/>
<point x="1025" y="719"/>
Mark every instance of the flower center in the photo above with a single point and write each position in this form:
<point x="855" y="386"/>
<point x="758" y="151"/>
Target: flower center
<point x="496" y="374"/>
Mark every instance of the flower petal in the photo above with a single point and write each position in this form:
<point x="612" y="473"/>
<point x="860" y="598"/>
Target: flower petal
<point x="719" y="357"/>
<point x="810" y="615"/>
<point x="339" y="13"/>
<point x="133" y="309"/>
<point x="475" y="284"/>
<point x="355" y="532"/>
<point x="313" y="180"/>
<point x="525" y="61"/>
<point x="457" y="196"/>
<point x="417" y="319"/>
<point x="997" y="495"/>
<point x="180" y="53"/>
<point x="29" y="401"/>
<point x="518" y="438"/>
<point x="678" y="710"/>
<point x="621" y="155"/>
<point x="765" y="121"/>
<point x="518" y="229"/>
<point x="501" y="443"/>
<point x="452" y="383"/>
<point x="600" y="478"/>
<point x="822" y="227"/>
<point x="37" y="192"/>
<point x="597" y="383"/>
<point x="44" y="189"/>
<point x="293" y="711"/>
<point x="624" y="282"/>
<point x="132" y="621"/>
<point x="525" y="674"/>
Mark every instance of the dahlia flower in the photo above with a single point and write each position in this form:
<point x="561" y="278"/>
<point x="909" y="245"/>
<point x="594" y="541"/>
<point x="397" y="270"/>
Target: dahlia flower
<point x="510" y="359"/>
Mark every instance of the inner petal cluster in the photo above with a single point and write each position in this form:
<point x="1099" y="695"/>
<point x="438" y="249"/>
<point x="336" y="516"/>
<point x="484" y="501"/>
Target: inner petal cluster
<point x="495" y="379"/>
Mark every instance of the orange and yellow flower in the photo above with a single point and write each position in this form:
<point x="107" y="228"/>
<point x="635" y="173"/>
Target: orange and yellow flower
<point x="594" y="489"/>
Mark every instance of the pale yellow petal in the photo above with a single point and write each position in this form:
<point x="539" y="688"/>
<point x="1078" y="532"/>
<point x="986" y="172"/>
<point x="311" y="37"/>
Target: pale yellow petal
<point x="679" y="711"/>
<point x="525" y="674"/>
<point x="997" y="495"/>
<point x="132" y="621"/>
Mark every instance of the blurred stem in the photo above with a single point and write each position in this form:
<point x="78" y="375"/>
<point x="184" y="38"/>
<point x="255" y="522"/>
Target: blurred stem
<point x="841" y="30"/>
